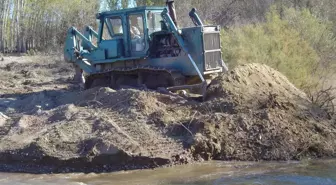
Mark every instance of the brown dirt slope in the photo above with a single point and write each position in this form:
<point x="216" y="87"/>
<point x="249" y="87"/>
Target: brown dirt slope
<point x="257" y="114"/>
<point x="99" y="129"/>
<point x="252" y="113"/>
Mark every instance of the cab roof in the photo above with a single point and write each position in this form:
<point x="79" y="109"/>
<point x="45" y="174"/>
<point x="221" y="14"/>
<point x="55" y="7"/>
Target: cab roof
<point x="129" y="10"/>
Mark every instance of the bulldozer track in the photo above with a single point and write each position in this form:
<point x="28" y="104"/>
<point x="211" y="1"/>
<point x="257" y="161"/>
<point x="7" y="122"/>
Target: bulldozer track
<point x="174" y="77"/>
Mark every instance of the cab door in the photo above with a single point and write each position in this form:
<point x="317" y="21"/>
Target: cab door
<point x="137" y="33"/>
<point x="112" y="37"/>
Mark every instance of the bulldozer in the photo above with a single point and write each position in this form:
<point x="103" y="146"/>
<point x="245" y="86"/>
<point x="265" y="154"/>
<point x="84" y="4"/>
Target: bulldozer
<point x="144" y="47"/>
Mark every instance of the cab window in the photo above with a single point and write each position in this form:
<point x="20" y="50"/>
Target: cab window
<point x="153" y="22"/>
<point x="116" y="25"/>
<point x="112" y="27"/>
<point x="106" y="32"/>
<point x="136" y="31"/>
<point x="136" y="25"/>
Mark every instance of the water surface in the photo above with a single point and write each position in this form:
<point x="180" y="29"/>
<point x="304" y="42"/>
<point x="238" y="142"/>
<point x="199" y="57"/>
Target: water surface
<point x="320" y="172"/>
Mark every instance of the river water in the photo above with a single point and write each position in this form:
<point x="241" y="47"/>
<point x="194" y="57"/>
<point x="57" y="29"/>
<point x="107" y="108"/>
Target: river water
<point x="320" y="172"/>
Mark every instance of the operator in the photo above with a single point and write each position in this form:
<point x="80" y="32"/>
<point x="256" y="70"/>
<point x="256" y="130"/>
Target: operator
<point x="136" y="35"/>
<point x="135" y="32"/>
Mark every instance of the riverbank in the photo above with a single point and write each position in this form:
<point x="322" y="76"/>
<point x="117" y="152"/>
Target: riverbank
<point x="252" y="113"/>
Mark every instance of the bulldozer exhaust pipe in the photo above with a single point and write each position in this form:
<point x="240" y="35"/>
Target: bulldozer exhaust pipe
<point x="172" y="12"/>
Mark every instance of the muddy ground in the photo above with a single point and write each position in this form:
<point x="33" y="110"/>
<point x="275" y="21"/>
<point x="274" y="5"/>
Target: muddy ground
<point x="48" y="124"/>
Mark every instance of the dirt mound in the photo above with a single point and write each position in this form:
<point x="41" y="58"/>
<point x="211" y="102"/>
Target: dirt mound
<point x="100" y="129"/>
<point x="256" y="113"/>
<point x="33" y="103"/>
<point x="125" y="100"/>
<point x="252" y="113"/>
<point x="249" y="83"/>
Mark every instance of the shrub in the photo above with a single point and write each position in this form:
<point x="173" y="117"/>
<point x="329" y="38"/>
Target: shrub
<point x="31" y="52"/>
<point x="319" y="34"/>
<point x="275" y="43"/>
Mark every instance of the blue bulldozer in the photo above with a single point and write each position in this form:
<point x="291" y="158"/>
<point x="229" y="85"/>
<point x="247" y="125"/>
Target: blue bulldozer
<point x="144" y="47"/>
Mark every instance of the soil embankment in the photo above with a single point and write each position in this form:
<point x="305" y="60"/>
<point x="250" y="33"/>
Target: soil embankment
<point x="252" y="113"/>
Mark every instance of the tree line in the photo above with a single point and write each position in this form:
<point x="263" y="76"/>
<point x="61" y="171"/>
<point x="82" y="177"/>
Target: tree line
<point x="41" y="25"/>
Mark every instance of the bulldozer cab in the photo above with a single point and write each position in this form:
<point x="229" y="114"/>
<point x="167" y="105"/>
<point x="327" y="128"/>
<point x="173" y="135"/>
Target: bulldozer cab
<point x="126" y="33"/>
